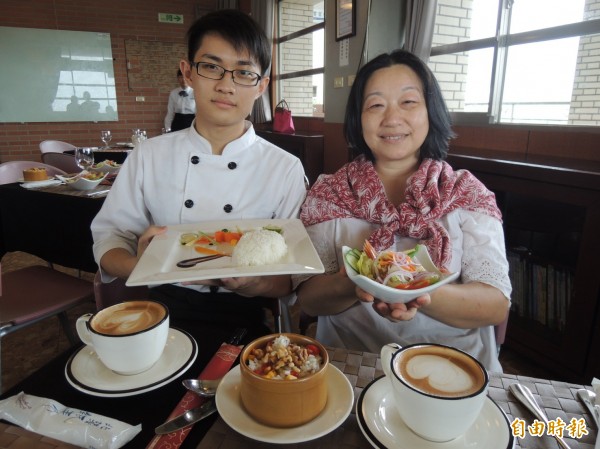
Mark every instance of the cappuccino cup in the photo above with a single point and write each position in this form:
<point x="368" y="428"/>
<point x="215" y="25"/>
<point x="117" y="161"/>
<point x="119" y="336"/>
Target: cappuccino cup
<point x="128" y="337"/>
<point x="438" y="390"/>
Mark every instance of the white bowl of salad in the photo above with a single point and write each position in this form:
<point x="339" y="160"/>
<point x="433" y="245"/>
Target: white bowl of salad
<point x="84" y="180"/>
<point x="106" y="166"/>
<point x="395" y="276"/>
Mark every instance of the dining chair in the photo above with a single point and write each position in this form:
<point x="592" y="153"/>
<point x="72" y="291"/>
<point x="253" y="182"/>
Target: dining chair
<point x="12" y="171"/>
<point x="63" y="161"/>
<point x="31" y="294"/>
<point x="109" y="293"/>
<point x="55" y="146"/>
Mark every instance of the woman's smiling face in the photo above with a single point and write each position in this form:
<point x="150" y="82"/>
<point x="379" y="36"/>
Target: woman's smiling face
<point x="394" y="114"/>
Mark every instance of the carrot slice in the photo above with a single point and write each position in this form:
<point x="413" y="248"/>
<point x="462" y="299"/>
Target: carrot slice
<point x="205" y="250"/>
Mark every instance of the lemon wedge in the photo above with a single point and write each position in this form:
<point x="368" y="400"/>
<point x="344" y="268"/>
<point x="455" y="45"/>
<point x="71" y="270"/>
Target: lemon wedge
<point x="188" y="238"/>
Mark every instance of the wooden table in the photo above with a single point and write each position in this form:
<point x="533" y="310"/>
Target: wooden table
<point x="558" y="399"/>
<point x="52" y="223"/>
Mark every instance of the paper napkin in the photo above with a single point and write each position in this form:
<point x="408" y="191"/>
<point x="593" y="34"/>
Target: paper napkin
<point x="78" y="427"/>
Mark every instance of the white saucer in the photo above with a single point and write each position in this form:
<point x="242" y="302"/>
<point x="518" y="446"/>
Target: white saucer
<point x="339" y="405"/>
<point x="39" y="184"/>
<point x="383" y="428"/>
<point x="86" y="373"/>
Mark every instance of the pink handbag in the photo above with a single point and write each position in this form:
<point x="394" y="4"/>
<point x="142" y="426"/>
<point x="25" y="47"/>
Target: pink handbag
<point x="282" y="119"/>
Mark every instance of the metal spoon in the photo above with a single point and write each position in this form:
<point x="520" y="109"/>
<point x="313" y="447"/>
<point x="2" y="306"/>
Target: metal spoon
<point x="204" y="388"/>
<point x="187" y="263"/>
<point x="588" y="398"/>
<point x="524" y="395"/>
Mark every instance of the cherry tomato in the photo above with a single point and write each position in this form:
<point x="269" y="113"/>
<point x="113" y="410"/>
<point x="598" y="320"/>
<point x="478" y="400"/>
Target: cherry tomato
<point x="312" y="349"/>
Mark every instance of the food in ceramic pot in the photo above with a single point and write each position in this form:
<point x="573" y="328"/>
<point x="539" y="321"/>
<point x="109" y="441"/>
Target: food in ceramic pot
<point x="283" y="379"/>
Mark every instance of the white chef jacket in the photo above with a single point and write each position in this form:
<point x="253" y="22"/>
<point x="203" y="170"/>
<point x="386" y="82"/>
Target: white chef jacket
<point x="179" y="104"/>
<point x="175" y="179"/>
<point x="478" y="252"/>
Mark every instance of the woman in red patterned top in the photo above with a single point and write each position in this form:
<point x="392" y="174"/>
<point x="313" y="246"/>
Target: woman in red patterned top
<point x="399" y="192"/>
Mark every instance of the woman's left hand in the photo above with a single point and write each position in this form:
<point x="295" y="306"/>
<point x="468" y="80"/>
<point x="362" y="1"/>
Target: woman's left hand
<point x="394" y="312"/>
<point x="400" y="312"/>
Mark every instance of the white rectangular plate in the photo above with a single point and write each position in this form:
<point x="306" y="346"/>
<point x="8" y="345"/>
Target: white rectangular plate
<point x="158" y="264"/>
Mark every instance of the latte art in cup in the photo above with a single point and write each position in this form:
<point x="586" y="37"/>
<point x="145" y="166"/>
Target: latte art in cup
<point x="131" y="317"/>
<point x="439" y="372"/>
<point x="436" y="375"/>
<point x="128" y="337"/>
<point x="438" y="390"/>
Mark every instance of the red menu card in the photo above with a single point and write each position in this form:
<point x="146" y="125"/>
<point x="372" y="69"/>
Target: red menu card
<point x="218" y="366"/>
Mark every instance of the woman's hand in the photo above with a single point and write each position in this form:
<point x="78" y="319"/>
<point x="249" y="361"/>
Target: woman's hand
<point x="401" y="312"/>
<point x="394" y="312"/>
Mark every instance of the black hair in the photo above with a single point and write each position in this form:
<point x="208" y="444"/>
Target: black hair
<point x="237" y="28"/>
<point x="179" y="73"/>
<point x="440" y="132"/>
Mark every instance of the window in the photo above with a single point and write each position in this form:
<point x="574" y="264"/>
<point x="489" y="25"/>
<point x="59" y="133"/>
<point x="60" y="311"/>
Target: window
<point x="300" y="46"/>
<point x="519" y="61"/>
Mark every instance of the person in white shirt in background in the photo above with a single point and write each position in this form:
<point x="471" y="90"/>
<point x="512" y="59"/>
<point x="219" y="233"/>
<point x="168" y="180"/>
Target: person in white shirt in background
<point x="181" y="109"/>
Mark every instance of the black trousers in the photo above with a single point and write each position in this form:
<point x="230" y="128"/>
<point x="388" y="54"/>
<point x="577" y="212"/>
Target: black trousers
<point x="182" y="121"/>
<point x="222" y="313"/>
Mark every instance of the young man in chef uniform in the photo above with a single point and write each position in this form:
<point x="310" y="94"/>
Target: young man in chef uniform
<point x="218" y="169"/>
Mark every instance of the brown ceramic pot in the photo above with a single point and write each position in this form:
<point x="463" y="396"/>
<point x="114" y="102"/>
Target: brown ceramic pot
<point x="283" y="403"/>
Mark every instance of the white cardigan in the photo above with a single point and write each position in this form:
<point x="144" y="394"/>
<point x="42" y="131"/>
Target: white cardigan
<point x="477" y="251"/>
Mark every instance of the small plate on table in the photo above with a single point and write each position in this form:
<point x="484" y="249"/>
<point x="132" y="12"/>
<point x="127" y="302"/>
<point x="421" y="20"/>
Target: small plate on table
<point x="122" y="145"/>
<point x="86" y="373"/>
<point x="39" y="184"/>
<point x="158" y="264"/>
<point x="340" y="398"/>
<point x="394" y="295"/>
<point x="382" y="426"/>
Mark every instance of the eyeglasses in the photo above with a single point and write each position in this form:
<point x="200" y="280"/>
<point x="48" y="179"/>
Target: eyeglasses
<point x="216" y="72"/>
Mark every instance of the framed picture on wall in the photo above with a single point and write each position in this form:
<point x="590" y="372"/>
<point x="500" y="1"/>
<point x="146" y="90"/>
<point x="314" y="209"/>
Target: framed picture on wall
<point x="345" y="19"/>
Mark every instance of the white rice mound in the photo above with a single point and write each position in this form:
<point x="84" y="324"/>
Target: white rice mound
<point x="261" y="247"/>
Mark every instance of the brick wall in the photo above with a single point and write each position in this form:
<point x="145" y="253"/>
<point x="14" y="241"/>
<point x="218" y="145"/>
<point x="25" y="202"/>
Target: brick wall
<point x="135" y="34"/>
<point x="586" y="87"/>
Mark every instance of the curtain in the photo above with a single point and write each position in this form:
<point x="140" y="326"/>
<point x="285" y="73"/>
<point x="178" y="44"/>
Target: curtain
<point x="418" y="28"/>
<point x="263" y="13"/>
<point x="227" y="4"/>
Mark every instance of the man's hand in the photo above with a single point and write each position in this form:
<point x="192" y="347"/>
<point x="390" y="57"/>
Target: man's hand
<point x="147" y="237"/>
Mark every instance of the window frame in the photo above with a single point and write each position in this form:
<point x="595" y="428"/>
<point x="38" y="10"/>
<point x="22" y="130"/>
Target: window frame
<point x="277" y="41"/>
<point x="500" y="43"/>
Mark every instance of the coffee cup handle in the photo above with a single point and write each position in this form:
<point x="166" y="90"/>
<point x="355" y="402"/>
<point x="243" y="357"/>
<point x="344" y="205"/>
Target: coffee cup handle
<point x="82" y="328"/>
<point x="387" y="352"/>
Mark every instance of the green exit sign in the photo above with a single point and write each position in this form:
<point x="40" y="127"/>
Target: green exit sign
<point x="170" y="18"/>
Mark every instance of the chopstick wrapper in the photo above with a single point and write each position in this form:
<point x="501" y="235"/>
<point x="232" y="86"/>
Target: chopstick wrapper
<point x="78" y="427"/>
<point x="218" y="366"/>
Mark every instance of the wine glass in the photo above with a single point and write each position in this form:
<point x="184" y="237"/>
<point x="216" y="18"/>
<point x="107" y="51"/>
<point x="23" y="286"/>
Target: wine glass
<point x="106" y="136"/>
<point x="84" y="157"/>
